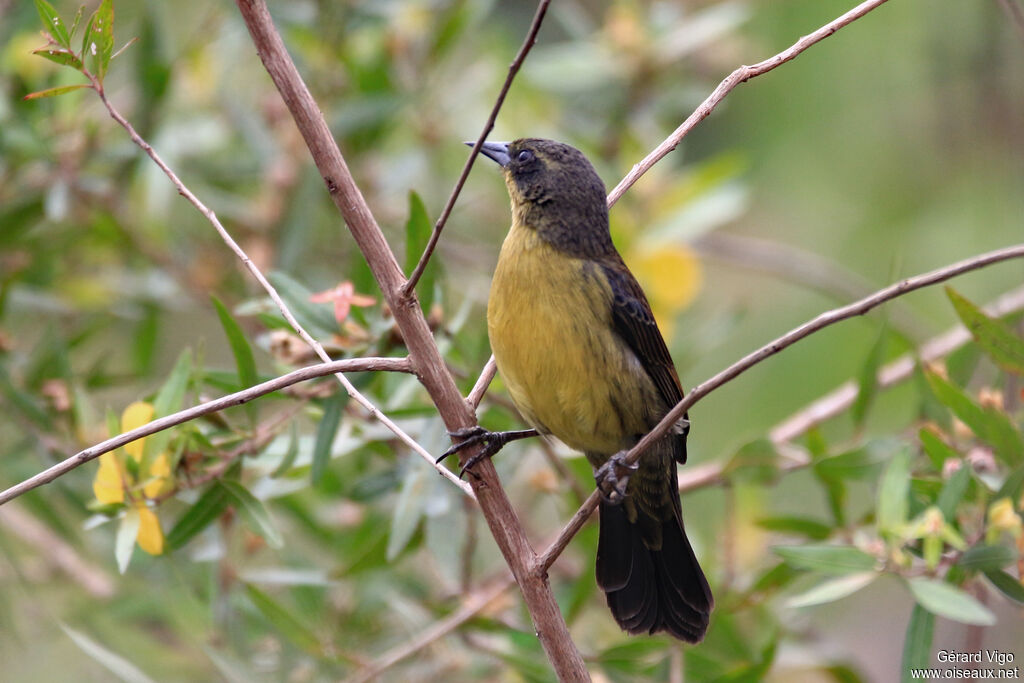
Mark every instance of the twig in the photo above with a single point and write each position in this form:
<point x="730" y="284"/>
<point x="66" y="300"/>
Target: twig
<point x="237" y="398"/>
<point x="430" y="368"/>
<point x="484" y="381"/>
<point x="740" y="75"/>
<point x="712" y="473"/>
<point x="513" y="69"/>
<point x="438" y="630"/>
<point x="251" y="267"/>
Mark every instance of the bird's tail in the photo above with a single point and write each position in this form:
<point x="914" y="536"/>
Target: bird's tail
<point x="651" y="589"/>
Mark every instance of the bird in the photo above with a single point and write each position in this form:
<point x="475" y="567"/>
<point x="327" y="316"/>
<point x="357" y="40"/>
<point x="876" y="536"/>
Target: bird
<point x="582" y="357"/>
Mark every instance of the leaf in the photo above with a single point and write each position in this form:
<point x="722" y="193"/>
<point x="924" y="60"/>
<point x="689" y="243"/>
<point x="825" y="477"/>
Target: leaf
<point x="754" y="462"/>
<point x="288" y="460"/>
<point x="98" y="41"/>
<point x="290" y="626"/>
<point x="127" y="532"/>
<point x="995" y="337"/>
<point x="867" y="381"/>
<point x="832" y="589"/>
<point x="168" y="401"/>
<point x="111" y="661"/>
<point x="953" y="492"/>
<point x="828" y="559"/>
<point x="990" y="425"/>
<point x="892" y="493"/>
<point x="1007" y="585"/>
<point x="408" y="509"/>
<point x="54" y="24"/>
<point x="987" y="557"/>
<point x="316" y="318"/>
<point x="325" y="433"/>
<point x="935" y="448"/>
<point x="861" y="463"/>
<point x="1012" y="486"/>
<point x="803" y="526"/>
<point x="944" y="600"/>
<point x="418" y="229"/>
<point x="253" y="511"/>
<point x="53" y="92"/>
<point x="917" y="644"/>
<point x="62" y="57"/>
<point x="244" y="360"/>
<point x="205" y="511"/>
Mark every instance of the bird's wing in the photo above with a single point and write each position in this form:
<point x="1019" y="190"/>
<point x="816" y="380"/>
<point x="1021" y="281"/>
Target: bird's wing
<point x="635" y="323"/>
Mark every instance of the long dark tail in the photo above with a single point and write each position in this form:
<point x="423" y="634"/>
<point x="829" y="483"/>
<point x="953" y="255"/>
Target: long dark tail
<point x="651" y="590"/>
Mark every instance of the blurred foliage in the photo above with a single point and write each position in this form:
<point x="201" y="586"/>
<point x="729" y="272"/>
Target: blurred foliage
<point x="300" y="541"/>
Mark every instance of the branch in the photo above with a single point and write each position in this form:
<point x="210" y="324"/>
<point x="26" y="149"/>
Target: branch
<point x="428" y="365"/>
<point x="484" y="381"/>
<point x="740" y="75"/>
<point x="231" y="400"/>
<point x="251" y="267"/>
<point x="711" y="473"/>
<point x="513" y="69"/>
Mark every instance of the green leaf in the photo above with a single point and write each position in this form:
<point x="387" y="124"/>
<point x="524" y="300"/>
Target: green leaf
<point x="98" y="41"/>
<point x="62" y="57"/>
<point x="290" y="626"/>
<point x="953" y="492"/>
<point x="935" y="448"/>
<point x="893" y="505"/>
<point x="995" y="337"/>
<point x="205" y="511"/>
<point x="990" y="425"/>
<point x="987" y="557"/>
<point x="1007" y="585"/>
<point x="325" y="433"/>
<point x="288" y="460"/>
<point x="867" y="381"/>
<point x="417" y="233"/>
<point x="127" y="532"/>
<point x="409" y="508"/>
<point x="831" y="590"/>
<point x="755" y="462"/>
<point x="168" y="401"/>
<point x="1012" y="486"/>
<point x="53" y="23"/>
<point x="316" y="318"/>
<point x="53" y="92"/>
<point x="803" y="526"/>
<point x="244" y="360"/>
<point x="917" y="644"/>
<point x="828" y="559"/>
<point x="255" y="514"/>
<point x="111" y="661"/>
<point x="861" y="463"/>
<point x="944" y="600"/>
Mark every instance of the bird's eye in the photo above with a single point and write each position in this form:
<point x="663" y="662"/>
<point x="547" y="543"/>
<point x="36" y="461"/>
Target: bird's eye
<point x="524" y="156"/>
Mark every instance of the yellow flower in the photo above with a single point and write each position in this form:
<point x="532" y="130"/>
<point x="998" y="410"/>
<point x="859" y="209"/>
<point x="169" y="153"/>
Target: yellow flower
<point x="1002" y="517"/>
<point x="115" y="482"/>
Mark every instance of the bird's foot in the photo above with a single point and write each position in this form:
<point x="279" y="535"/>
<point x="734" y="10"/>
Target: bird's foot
<point x="612" y="478"/>
<point x="492" y="443"/>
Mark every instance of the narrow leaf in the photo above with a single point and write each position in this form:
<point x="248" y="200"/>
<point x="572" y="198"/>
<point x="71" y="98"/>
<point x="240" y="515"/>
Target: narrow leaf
<point x="828" y="559"/>
<point x="168" y="400"/>
<point x="917" y="644"/>
<point x="99" y="39"/>
<point x="325" y="433"/>
<point x="290" y="626"/>
<point x="408" y="510"/>
<point x="288" y="460"/>
<point x="111" y="661"/>
<point x="314" y="317"/>
<point x="54" y="24"/>
<point x="987" y="557"/>
<point x="991" y="426"/>
<point x="803" y="526"/>
<point x="1007" y="585"/>
<point x="53" y="92"/>
<point x="831" y="590"/>
<point x="861" y="463"/>
<point x="244" y="360"/>
<point x="127" y="532"/>
<point x="205" y="511"/>
<point x="892" y="493"/>
<point x="60" y="56"/>
<point x="417" y="233"/>
<point x="944" y="600"/>
<point x="935" y="448"/>
<point x="995" y="337"/>
<point x="867" y="382"/>
<point x="255" y="514"/>
<point x="953" y="492"/>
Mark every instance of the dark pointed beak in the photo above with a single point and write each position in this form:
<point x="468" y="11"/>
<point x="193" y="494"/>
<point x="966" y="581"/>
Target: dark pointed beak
<point x="496" y="151"/>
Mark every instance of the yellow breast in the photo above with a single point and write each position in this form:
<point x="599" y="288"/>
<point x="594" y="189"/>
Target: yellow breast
<point x="568" y="372"/>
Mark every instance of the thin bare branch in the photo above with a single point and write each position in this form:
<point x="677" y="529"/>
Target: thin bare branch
<point x="712" y="473"/>
<point x="513" y="69"/>
<point x="740" y="75"/>
<point x="228" y="401"/>
<point x="482" y="382"/>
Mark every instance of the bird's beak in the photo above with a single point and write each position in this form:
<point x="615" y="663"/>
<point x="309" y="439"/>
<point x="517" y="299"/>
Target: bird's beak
<point x="497" y="151"/>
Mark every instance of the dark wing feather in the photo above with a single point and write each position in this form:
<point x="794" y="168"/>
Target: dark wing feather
<point x="635" y="323"/>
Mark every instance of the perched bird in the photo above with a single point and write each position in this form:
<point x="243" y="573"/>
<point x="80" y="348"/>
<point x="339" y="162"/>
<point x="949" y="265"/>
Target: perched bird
<point x="582" y="357"/>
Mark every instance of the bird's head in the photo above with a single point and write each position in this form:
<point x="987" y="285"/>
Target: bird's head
<point x="555" y="191"/>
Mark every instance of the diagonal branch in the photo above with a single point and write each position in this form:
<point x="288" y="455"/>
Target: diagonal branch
<point x="216" y="405"/>
<point x="750" y="360"/>
<point x="513" y="69"/>
<point x="740" y="75"/>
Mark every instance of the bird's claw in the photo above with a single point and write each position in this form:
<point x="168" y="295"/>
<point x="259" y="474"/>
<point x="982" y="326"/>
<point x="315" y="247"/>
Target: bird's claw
<point x="471" y="436"/>
<point x="613" y="477"/>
